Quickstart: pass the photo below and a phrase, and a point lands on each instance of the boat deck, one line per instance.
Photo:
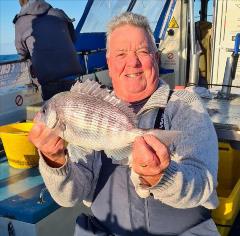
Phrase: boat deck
(225, 115)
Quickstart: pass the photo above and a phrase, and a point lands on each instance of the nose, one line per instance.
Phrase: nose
(133, 60)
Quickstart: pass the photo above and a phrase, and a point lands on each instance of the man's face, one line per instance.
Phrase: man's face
(132, 63)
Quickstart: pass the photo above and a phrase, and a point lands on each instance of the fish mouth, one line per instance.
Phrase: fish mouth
(37, 117)
(134, 75)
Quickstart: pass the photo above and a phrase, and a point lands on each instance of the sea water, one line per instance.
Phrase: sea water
(10, 57)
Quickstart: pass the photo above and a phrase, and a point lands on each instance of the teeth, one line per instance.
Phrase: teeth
(133, 75)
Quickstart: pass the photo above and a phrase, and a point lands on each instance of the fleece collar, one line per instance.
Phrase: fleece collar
(158, 99)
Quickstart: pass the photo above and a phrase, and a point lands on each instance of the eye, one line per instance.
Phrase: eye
(143, 53)
(44, 110)
(120, 55)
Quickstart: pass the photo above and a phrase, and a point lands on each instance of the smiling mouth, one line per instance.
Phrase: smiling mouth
(134, 75)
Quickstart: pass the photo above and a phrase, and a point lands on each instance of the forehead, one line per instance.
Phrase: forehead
(128, 36)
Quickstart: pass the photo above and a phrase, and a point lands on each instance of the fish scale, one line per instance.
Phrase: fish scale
(104, 117)
(90, 118)
(97, 120)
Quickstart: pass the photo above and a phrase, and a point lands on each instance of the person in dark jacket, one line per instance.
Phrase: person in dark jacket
(45, 35)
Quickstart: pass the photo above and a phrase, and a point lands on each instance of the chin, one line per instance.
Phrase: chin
(135, 97)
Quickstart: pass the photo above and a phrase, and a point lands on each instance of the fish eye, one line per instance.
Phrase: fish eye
(44, 110)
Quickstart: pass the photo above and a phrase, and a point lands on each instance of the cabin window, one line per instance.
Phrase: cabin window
(149, 10)
(100, 14)
(200, 13)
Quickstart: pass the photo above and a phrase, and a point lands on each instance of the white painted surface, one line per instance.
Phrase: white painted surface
(226, 26)
(10, 111)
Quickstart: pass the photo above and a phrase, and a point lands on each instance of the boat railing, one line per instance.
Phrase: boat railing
(14, 73)
(12, 61)
(86, 53)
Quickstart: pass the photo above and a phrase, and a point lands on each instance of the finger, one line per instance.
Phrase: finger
(51, 143)
(156, 157)
(156, 145)
(55, 152)
(35, 133)
(142, 152)
(144, 182)
(160, 149)
(44, 138)
(59, 146)
(148, 170)
(150, 180)
(145, 160)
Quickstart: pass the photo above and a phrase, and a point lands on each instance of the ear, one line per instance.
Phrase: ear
(158, 57)
(23, 2)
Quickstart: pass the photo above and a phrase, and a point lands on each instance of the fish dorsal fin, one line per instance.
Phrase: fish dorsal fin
(93, 88)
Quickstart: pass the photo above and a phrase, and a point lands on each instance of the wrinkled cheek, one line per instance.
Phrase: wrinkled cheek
(150, 66)
(147, 63)
(119, 68)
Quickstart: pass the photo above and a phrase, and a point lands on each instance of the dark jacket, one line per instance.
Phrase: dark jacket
(45, 35)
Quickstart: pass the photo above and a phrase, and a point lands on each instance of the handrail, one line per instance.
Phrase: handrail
(87, 52)
(237, 44)
(13, 61)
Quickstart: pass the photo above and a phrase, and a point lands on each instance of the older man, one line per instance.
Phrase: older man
(166, 191)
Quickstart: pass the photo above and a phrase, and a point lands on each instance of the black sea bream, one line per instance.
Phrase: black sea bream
(91, 118)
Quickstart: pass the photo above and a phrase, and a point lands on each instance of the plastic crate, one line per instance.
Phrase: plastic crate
(228, 188)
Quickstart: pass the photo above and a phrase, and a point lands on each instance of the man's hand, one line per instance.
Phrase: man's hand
(150, 158)
(50, 145)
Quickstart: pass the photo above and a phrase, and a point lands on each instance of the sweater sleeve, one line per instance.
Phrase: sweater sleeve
(191, 178)
(73, 182)
(19, 43)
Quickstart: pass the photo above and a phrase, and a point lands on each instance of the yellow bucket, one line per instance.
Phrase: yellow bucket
(19, 151)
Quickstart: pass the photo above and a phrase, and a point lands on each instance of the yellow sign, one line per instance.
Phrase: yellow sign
(173, 23)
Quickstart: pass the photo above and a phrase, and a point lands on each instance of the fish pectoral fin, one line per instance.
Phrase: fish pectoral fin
(59, 128)
(120, 156)
(62, 126)
(77, 153)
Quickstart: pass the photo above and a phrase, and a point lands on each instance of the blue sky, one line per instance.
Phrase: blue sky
(9, 8)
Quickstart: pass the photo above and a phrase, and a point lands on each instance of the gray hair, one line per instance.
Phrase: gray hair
(129, 18)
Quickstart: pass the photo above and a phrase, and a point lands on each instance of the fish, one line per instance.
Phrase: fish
(89, 117)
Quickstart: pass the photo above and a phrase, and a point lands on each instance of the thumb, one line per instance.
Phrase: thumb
(35, 131)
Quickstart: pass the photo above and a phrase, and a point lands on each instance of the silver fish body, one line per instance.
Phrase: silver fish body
(93, 119)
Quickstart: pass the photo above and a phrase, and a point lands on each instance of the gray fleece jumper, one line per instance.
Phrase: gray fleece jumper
(189, 181)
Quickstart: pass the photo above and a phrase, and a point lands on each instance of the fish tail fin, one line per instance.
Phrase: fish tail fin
(167, 137)
(120, 156)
